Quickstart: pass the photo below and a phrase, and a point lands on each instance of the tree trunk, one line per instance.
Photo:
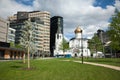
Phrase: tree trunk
(28, 58)
(23, 57)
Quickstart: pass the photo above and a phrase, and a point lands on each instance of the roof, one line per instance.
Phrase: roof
(12, 49)
(78, 30)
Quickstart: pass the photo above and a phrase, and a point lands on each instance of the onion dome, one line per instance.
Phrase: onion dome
(78, 30)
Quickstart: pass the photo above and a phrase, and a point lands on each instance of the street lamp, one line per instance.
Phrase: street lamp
(82, 45)
(100, 34)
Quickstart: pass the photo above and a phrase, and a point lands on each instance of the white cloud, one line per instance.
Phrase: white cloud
(74, 13)
(10, 7)
(117, 4)
(78, 12)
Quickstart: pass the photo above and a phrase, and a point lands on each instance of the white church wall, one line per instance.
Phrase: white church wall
(78, 43)
(78, 35)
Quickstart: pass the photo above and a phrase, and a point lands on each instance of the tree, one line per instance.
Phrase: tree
(114, 32)
(33, 49)
(64, 45)
(12, 44)
(95, 44)
(26, 39)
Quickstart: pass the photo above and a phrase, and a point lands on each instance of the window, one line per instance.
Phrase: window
(12, 32)
(57, 36)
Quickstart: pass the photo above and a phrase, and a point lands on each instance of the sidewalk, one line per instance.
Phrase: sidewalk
(103, 65)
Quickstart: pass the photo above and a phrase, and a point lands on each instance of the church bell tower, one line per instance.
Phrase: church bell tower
(58, 42)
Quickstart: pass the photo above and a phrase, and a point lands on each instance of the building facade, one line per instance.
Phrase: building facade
(7, 35)
(79, 45)
(56, 23)
(40, 22)
(3, 30)
(11, 35)
(11, 53)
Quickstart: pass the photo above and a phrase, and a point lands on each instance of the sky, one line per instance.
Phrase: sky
(90, 15)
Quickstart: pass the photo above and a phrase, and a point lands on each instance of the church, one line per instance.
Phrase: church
(79, 45)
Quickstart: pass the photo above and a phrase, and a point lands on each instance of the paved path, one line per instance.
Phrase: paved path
(103, 65)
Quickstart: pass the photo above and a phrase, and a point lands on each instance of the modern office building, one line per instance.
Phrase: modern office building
(3, 30)
(56, 23)
(11, 35)
(40, 22)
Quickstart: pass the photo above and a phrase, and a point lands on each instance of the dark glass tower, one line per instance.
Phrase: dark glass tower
(56, 23)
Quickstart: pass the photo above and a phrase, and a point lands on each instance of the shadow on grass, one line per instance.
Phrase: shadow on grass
(28, 69)
(15, 66)
(20, 62)
(23, 68)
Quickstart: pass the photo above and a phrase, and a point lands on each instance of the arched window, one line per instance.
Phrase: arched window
(57, 36)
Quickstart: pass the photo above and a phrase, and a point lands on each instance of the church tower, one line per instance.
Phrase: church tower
(58, 42)
(58, 39)
(55, 23)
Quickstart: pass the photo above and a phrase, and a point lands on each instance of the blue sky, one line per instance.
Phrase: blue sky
(25, 2)
(104, 3)
(101, 3)
(90, 15)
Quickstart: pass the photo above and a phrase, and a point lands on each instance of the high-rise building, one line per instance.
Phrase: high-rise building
(40, 21)
(56, 23)
(3, 30)
(11, 35)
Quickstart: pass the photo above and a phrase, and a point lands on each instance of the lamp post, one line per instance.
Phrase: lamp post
(100, 34)
(82, 45)
(78, 31)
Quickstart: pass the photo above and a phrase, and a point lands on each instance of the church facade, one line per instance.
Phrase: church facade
(79, 45)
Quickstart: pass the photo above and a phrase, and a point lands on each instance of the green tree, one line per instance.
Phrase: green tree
(19, 46)
(64, 45)
(26, 39)
(12, 44)
(114, 32)
(95, 44)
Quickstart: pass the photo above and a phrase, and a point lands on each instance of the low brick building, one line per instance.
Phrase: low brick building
(6, 52)
(11, 53)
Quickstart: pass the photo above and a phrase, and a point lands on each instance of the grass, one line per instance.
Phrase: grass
(109, 61)
(55, 69)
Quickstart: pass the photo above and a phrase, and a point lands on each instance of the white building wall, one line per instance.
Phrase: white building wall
(58, 42)
(78, 35)
(79, 45)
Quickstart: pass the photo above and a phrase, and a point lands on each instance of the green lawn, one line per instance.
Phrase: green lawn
(55, 69)
(109, 61)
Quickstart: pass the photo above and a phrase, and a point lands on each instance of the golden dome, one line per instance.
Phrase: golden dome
(78, 30)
